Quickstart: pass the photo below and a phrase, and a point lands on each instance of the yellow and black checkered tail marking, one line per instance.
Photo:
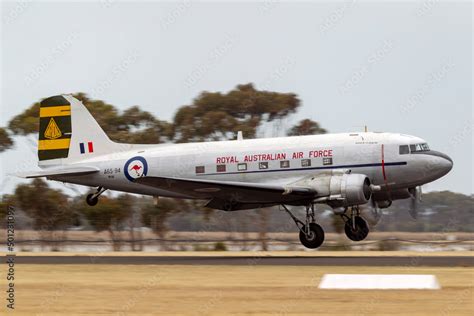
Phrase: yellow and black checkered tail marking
(55, 128)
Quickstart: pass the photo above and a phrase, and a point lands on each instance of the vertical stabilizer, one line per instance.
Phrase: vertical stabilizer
(69, 133)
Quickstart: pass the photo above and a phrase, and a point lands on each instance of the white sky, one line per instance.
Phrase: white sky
(398, 67)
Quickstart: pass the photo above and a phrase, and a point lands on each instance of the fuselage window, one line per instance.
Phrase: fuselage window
(263, 165)
(327, 161)
(285, 164)
(305, 162)
(200, 169)
(404, 150)
(242, 167)
(220, 168)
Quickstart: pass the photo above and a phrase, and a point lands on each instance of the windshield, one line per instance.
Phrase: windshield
(419, 147)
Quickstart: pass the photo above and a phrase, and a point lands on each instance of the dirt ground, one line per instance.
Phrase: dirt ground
(227, 290)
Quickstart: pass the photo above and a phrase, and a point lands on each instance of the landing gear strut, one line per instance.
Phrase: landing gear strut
(93, 198)
(311, 234)
(356, 228)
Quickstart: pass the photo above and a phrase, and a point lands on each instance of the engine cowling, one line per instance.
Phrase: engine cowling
(344, 189)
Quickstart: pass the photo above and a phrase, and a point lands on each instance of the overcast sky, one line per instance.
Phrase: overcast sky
(398, 67)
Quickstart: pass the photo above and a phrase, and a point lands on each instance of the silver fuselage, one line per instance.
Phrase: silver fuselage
(376, 155)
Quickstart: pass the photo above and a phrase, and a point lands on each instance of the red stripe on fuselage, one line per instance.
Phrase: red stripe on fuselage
(90, 146)
(383, 165)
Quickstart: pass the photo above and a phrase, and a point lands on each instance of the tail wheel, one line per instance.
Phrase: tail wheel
(314, 238)
(359, 232)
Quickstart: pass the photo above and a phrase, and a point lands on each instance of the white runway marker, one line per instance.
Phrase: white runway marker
(379, 281)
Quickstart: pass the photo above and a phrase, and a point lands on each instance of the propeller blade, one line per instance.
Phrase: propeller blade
(413, 210)
(376, 213)
(415, 199)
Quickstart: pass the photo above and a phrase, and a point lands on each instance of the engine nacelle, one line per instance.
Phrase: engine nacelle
(344, 189)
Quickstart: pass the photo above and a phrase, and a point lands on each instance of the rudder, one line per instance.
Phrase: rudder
(69, 133)
(55, 128)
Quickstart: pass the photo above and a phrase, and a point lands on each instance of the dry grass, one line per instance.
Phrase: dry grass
(224, 290)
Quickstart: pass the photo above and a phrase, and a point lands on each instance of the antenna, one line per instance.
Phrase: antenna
(366, 129)
(239, 135)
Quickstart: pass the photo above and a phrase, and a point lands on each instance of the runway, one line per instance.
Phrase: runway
(412, 261)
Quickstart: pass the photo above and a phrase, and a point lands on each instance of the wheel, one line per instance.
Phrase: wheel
(91, 200)
(361, 229)
(315, 237)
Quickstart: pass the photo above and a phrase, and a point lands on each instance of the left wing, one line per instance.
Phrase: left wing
(231, 195)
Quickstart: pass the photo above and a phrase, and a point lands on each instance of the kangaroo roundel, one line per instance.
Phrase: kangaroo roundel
(135, 168)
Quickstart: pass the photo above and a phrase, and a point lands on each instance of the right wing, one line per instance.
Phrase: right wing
(231, 195)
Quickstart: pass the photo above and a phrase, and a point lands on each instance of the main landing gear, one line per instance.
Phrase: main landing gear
(93, 198)
(311, 234)
(356, 227)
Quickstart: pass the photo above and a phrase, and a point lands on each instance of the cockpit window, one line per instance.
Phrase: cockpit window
(419, 147)
(404, 150)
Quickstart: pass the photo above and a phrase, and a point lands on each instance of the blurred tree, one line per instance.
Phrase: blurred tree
(306, 127)
(133, 125)
(5, 140)
(26, 122)
(217, 116)
(337, 223)
(3, 208)
(155, 216)
(263, 218)
(108, 215)
(48, 208)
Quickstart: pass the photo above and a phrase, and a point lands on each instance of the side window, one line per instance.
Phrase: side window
(220, 168)
(285, 164)
(305, 162)
(200, 169)
(263, 165)
(242, 167)
(327, 161)
(412, 148)
(404, 150)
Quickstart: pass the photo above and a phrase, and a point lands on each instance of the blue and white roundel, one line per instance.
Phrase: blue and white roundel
(135, 168)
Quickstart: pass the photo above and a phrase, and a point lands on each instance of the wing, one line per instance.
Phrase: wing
(230, 195)
(64, 171)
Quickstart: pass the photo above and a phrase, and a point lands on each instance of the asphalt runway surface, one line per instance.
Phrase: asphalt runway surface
(412, 261)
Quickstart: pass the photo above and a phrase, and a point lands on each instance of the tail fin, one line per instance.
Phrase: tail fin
(69, 133)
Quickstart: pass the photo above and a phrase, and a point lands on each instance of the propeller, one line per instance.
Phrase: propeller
(376, 212)
(372, 212)
(415, 199)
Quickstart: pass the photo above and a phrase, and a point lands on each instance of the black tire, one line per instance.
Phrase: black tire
(361, 230)
(316, 237)
(91, 201)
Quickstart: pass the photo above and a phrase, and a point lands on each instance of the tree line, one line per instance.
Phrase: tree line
(53, 213)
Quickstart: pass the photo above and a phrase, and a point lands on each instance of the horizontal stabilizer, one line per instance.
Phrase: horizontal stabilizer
(71, 171)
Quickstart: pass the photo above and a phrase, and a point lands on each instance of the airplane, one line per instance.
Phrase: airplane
(344, 171)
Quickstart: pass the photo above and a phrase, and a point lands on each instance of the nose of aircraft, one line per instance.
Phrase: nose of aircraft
(444, 163)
